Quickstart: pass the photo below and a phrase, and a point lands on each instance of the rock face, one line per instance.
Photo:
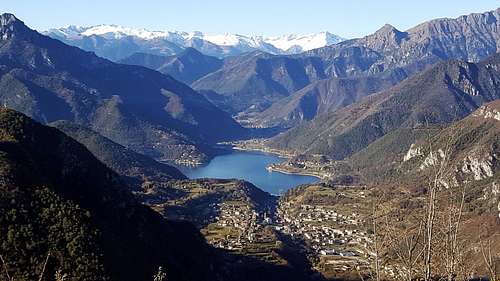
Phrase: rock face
(136, 107)
(478, 168)
(436, 96)
(488, 113)
(467, 151)
(472, 150)
(470, 38)
(477, 160)
(7, 26)
(413, 152)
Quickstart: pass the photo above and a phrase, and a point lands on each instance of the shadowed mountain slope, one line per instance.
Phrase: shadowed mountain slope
(188, 66)
(136, 107)
(51, 185)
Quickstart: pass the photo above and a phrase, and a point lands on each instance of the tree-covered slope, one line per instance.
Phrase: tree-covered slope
(58, 201)
(138, 170)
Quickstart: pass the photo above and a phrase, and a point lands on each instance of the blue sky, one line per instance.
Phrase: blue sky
(348, 18)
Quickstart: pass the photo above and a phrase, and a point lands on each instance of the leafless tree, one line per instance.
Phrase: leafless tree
(407, 247)
(435, 184)
(11, 278)
(5, 269)
(453, 249)
(378, 220)
(488, 258)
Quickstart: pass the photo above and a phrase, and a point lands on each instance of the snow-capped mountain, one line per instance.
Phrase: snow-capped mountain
(304, 42)
(102, 39)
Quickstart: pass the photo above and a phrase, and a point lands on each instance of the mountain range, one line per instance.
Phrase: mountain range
(265, 90)
(85, 137)
(139, 108)
(117, 42)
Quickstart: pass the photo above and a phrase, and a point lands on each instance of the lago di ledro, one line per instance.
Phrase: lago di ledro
(250, 140)
(249, 166)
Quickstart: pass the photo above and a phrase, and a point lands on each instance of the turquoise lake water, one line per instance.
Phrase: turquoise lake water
(249, 166)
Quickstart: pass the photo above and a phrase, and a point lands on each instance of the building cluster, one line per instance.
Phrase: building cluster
(328, 232)
(322, 169)
(244, 226)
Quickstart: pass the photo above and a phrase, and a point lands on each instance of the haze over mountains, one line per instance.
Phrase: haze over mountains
(117, 42)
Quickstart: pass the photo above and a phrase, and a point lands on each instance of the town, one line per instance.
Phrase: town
(336, 238)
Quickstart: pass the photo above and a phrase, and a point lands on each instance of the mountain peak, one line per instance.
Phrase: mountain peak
(386, 37)
(235, 43)
(387, 29)
(10, 25)
(6, 19)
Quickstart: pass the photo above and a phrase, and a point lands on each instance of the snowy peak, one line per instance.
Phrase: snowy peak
(285, 44)
(107, 31)
(225, 39)
(304, 42)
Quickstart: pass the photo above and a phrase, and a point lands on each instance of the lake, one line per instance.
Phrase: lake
(249, 166)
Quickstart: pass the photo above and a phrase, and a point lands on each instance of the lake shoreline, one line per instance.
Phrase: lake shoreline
(277, 169)
(254, 166)
(279, 166)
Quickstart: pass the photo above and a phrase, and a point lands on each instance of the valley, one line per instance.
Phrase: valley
(128, 154)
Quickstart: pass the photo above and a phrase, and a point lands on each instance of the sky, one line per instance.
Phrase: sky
(347, 18)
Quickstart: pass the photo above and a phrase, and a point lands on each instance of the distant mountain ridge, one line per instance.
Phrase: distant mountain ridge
(187, 66)
(101, 38)
(470, 37)
(265, 90)
(136, 107)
